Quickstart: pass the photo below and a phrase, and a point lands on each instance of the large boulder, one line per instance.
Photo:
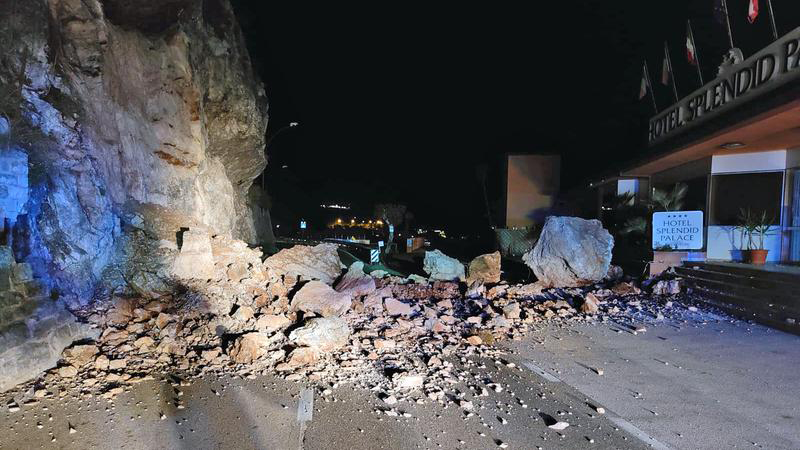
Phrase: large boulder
(322, 334)
(355, 282)
(319, 298)
(441, 267)
(571, 252)
(320, 262)
(195, 260)
(485, 268)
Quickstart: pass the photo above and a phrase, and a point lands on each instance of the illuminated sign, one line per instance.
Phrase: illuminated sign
(766, 70)
(678, 230)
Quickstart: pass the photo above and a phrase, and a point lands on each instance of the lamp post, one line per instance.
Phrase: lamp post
(285, 127)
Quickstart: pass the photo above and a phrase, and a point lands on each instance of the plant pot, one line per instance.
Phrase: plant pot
(758, 257)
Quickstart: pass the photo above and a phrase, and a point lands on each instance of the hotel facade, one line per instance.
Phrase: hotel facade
(735, 143)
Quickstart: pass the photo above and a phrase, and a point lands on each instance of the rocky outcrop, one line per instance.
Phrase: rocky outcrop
(485, 269)
(441, 267)
(571, 252)
(120, 107)
(128, 123)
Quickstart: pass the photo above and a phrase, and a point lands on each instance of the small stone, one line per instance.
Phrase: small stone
(558, 426)
(511, 311)
(408, 381)
(67, 371)
(143, 342)
(397, 308)
(474, 340)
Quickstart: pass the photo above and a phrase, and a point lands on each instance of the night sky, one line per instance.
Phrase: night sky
(402, 104)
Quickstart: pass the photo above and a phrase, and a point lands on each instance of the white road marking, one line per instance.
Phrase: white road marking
(616, 419)
(305, 407)
(639, 434)
(305, 412)
(541, 372)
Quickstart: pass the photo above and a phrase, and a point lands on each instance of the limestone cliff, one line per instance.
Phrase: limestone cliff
(122, 123)
(124, 104)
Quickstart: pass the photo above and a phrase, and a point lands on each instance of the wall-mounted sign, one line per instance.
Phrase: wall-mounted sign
(678, 230)
(302, 224)
(766, 70)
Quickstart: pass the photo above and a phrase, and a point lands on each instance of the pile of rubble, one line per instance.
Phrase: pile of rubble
(296, 314)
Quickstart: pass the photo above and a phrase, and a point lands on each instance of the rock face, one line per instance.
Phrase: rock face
(571, 252)
(155, 104)
(320, 262)
(124, 124)
(485, 268)
(441, 267)
(322, 334)
(318, 298)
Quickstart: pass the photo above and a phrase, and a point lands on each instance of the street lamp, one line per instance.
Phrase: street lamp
(266, 146)
(281, 129)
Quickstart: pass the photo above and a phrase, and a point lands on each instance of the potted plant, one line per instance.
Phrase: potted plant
(754, 228)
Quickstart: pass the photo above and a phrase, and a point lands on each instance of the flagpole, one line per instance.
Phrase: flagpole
(728, 21)
(671, 72)
(650, 86)
(696, 52)
(772, 19)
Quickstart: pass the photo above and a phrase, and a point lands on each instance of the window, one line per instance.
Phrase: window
(756, 191)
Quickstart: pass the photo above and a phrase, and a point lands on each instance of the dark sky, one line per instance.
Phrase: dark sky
(402, 102)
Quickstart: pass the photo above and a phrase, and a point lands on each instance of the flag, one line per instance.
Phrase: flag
(752, 11)
(691, 52)
(665, 69)
(645, 84)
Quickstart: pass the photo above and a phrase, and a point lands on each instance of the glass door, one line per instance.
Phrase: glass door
(793, 222)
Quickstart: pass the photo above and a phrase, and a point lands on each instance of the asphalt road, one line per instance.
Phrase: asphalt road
(711, 383)
(262, 413)
(695, 385)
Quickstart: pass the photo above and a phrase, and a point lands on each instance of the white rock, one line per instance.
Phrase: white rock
(322, 334)
(441, 267)
(195, 260)
(558, 425)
